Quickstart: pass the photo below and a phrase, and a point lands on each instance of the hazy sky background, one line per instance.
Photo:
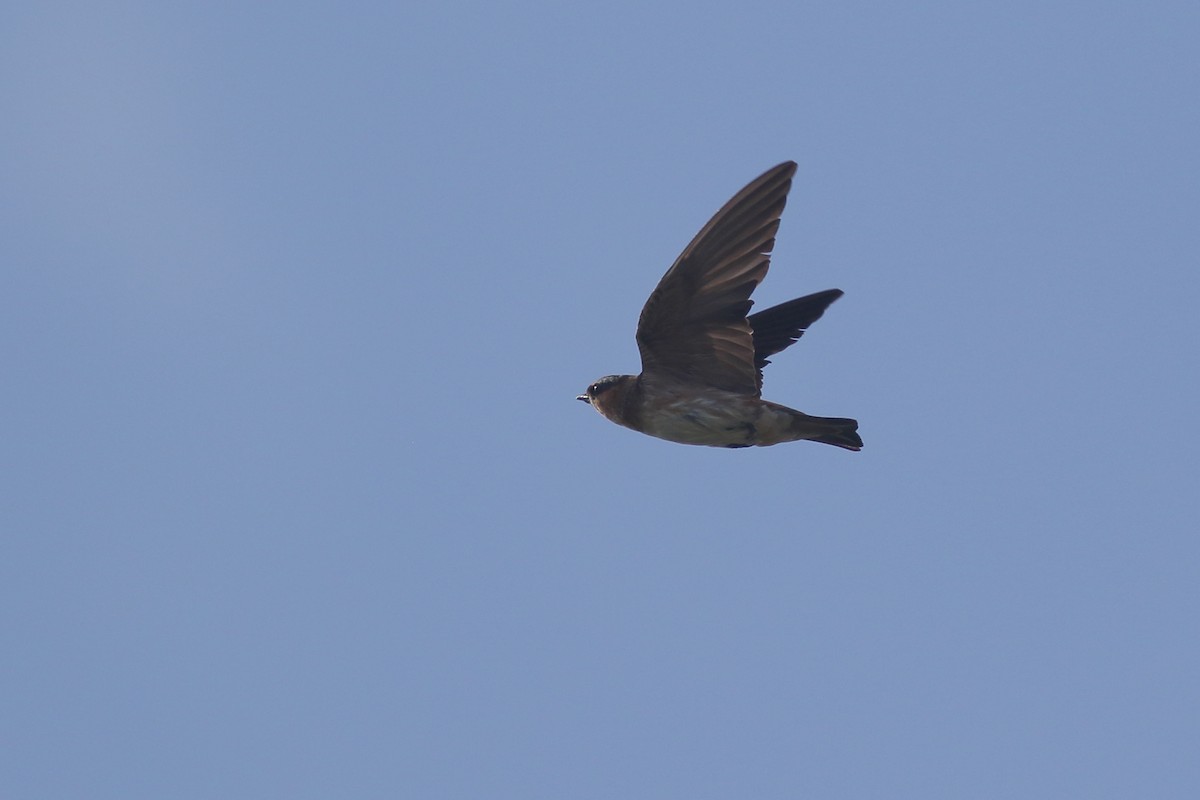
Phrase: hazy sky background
(298, 502)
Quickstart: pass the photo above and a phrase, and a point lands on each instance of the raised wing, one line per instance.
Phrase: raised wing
(694, 328)
(778, 327)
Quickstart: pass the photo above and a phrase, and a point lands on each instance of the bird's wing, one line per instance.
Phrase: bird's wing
(778, 327)
(693, 328)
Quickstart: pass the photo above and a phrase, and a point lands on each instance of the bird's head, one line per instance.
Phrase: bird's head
(607, 394)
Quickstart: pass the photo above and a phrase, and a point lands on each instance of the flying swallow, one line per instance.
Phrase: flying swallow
(702, 356)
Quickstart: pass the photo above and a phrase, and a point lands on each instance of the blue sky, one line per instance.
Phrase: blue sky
(297, 500)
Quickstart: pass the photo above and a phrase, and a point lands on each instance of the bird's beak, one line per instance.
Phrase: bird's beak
(585, 399)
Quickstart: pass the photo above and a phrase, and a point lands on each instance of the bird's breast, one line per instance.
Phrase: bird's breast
(715, 419)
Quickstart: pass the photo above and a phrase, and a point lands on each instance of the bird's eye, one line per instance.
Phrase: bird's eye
(603, 385)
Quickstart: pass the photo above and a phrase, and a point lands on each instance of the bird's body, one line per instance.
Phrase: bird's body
(702, 356)
(683, 413)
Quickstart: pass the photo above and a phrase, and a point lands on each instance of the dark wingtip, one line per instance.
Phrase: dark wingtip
(779, 327)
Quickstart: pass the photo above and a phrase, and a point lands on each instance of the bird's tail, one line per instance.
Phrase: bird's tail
(837, 431)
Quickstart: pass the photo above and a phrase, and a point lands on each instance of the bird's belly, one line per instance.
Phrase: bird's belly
(716, 423)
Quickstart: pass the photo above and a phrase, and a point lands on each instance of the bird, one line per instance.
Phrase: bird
(703, 353)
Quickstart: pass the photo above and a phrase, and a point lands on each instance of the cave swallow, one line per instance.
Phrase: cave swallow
(702, 356)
